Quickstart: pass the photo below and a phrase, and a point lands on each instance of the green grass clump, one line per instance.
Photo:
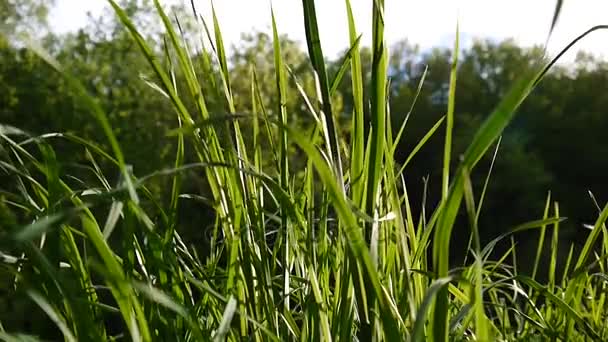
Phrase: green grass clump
(328, 252)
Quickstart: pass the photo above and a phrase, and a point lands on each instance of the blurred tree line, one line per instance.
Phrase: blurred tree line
(556, 144)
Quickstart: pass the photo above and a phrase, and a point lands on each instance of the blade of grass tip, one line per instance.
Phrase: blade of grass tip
(556, 13)
(591, 239)
(357, 157)
(315, 52)
(541, 74)
(409, 112)
(447, 154)
(281, 84)
(182, 55)
(53, 315)
(565, 277)
(378, 106)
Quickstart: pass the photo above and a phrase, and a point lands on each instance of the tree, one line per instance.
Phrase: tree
(23, 17)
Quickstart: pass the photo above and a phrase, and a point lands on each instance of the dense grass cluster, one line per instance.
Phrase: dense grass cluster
(330, 251)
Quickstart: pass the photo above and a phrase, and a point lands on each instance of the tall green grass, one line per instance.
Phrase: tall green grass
(349, 261)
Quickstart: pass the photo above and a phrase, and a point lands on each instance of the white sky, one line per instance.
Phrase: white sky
(428, 23)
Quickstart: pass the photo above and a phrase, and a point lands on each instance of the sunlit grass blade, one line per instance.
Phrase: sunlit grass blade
(281, 84)
(449, 128)
(357, 154)
(587, 250)
(224, 327)
(346, 60)
(378, 106)
(315, 52)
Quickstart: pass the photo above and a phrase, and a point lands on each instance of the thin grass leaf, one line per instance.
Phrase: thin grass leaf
(315, 52)
(420, 144)
(346, 60)
(418, 334)
(409, 113)
(357, 161)
(53, 314)
(18, 338)
(39, 227)
(164, 300)
(556, 13)
(378, 106)
(447, 152)
(591, 239)
(224, 327)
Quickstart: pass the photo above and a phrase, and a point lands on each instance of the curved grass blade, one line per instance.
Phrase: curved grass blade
(420, 144)
(421, 315)
(53, 315)
(346, 60)
(556, 13)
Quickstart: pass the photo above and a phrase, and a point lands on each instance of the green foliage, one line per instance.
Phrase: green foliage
(157, 186)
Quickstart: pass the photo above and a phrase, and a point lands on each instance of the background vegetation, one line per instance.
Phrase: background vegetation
(217, 226)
